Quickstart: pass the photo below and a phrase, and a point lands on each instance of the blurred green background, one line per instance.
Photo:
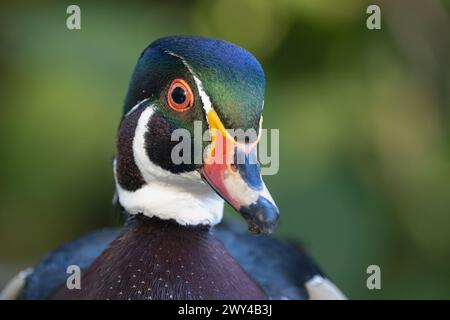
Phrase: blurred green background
(363, 116)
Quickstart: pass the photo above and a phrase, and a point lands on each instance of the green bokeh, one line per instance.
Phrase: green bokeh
(363, 116)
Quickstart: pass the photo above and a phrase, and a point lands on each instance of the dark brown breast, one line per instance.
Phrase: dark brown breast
(155, 259)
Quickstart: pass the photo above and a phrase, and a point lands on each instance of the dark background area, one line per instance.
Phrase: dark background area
(363, 116)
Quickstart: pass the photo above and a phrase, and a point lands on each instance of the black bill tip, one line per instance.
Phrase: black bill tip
(261, 216)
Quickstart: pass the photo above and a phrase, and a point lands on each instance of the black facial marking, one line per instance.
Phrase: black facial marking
(159, 146)
(128, 173)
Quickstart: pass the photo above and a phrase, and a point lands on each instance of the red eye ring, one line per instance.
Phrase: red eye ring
(180, 96)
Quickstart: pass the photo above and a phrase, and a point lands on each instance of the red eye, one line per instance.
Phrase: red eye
(180, 96)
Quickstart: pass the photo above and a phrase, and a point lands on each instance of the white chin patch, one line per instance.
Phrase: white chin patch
(183, 197)
(168, 202)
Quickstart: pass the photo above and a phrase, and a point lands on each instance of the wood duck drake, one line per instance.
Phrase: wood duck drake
(173, 244)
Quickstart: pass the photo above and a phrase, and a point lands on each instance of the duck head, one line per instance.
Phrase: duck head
(194, 84)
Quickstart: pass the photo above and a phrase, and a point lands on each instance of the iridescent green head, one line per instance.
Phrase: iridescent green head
(177, 82)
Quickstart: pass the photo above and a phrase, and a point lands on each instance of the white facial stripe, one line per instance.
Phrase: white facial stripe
(148, 169)
(207, 105)
(183, 197)
(206, 101)
(136, 106)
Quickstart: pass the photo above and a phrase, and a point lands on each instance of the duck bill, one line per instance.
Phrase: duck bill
(233, 171)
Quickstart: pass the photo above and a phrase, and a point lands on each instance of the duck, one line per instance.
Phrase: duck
(174, 243)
